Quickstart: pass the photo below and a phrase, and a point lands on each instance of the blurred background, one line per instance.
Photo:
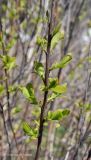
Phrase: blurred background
(21, 22)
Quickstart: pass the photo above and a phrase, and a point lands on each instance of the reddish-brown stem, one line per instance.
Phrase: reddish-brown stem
(44, 105)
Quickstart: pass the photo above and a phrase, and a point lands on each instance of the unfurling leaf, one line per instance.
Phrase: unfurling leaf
(56, 29)
(32, 132)
(42, 42)
(62, 63)
(58, 114)
(52, 82)
(60, 88)
(28, 92)
(8, 62)
(53, 96)
(39, 69)
(56, 38)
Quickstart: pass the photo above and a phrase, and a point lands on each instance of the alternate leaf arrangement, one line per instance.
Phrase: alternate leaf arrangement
(51, 89)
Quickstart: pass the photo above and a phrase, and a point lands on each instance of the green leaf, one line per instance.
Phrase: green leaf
(58, 114)
(56, 29)
(29, 131)
(55, 87)
(1, 89)
(60, 88)
(52, 82)
(56, 38)
(28, 92)
(42, 42)
(53, 96)
(39, 69)
(8, 62)
(62, 63)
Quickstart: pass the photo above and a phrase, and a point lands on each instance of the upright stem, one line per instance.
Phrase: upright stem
(44, 105)
(8, 98)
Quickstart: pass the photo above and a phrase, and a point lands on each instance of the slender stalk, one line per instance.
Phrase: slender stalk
(44, 105)
(9, 109)
(8, 99)
(64, 52)
(5, 127)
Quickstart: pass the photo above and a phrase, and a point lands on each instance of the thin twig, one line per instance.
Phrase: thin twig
(8, 94)
(44, 105)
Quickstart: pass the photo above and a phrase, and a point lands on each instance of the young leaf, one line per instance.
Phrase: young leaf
(52, 82)
(62, 63)
(53, 96)
(39, 69)
(60, 88)
(56, 38)
(28, 92)
(8, 62)
(56, 29)
(42, 42)
(58, 114)
(29, 131)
